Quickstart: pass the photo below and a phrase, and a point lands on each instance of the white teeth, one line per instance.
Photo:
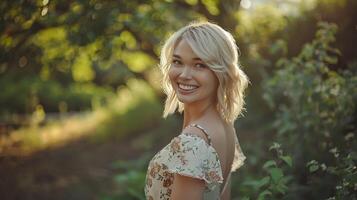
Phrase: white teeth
(187, 87)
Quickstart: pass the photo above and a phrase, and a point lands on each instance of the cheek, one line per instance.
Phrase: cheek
(212, 81)
(172, 73)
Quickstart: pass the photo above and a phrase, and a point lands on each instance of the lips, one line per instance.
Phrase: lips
(186, 87)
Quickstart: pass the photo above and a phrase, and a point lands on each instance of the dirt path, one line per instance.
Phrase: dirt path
(79, 170)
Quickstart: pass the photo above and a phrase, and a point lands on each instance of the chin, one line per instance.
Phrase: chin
(187, 99)
(184, 100)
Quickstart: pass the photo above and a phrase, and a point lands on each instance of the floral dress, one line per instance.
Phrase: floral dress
(188, 155)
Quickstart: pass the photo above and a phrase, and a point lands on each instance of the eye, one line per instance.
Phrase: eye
(176, 62)
(200, 65)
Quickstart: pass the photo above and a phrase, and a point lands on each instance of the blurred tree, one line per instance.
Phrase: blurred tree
(104, 43)
(95, 41)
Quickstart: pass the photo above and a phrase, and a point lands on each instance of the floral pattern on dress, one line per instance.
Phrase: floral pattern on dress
(187, 155)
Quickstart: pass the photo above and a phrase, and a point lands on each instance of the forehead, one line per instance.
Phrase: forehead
(184, 50)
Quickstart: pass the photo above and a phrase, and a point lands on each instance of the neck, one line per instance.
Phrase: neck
(193, 112)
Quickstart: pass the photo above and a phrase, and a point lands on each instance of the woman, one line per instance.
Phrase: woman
(202, 78)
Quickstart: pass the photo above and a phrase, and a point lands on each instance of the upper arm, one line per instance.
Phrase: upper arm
(194, 166)
(185, 187)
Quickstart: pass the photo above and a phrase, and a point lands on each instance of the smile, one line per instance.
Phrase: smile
(187, 87)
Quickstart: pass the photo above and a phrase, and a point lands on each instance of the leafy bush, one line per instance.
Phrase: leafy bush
(130, 182)
(314, 109)
(28, 92)
(275, 183)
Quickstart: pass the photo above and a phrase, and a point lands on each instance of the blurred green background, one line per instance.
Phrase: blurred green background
(81, 101)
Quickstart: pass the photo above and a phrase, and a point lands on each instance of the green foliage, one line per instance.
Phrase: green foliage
(131, 180)
(275, 182)
(343, 169)
(315, 109)
(30, 91)
(135, 105)
(265, 22)
(71, 55)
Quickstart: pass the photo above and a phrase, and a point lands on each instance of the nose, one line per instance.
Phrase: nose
(186, 72)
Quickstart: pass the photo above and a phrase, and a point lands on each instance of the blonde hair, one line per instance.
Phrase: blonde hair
(218, 50)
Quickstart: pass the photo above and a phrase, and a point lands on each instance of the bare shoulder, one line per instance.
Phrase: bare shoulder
(191, 130)
(215, 129)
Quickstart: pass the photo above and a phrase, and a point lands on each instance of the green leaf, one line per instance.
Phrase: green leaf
(311, 162)
(257, 184)
(274, 146)
(276, 174)
(313, 168)
(288, 160)
(269, 163)
(263, 194)
(263, 181)
(281, 188)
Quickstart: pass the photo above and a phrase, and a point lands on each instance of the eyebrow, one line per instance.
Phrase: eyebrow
(177, 56)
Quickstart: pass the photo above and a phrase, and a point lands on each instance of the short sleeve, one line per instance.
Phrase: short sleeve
(190, 155)
(239, 157)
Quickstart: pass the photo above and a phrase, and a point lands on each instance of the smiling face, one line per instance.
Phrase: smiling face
(192, 80)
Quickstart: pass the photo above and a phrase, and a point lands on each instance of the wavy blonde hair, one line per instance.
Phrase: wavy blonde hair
(218, 50)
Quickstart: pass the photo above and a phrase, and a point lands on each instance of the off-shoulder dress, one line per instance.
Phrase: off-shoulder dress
(189, 155)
